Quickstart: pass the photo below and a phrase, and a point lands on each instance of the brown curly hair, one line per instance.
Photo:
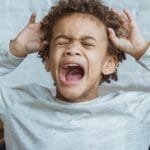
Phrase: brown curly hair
(92, 7)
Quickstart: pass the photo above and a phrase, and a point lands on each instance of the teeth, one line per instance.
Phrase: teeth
(70, 65)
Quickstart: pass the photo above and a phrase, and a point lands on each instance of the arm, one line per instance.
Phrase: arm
(145, 59)
(27, 41)
(8, 62)
(136, 46)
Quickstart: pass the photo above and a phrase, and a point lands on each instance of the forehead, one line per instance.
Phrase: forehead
(78, 24)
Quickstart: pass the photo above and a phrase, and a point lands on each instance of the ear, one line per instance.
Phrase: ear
(110, 65)
(47, 65)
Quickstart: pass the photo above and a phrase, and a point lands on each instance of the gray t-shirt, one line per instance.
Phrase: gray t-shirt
(35, 120)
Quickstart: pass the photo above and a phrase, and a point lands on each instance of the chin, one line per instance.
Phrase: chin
(75, 94)
(70, 95)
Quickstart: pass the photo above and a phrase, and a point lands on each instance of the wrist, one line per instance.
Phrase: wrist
(15, 49)
(142, 51)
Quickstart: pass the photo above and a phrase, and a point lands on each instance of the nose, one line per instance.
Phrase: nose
(73, 50)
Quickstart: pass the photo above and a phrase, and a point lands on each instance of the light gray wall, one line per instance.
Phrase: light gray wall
(14, 15)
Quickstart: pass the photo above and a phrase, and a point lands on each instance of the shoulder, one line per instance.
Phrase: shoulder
(26, 91)
(31, 88)
(130, 95)
(133, 100)
(135, 103)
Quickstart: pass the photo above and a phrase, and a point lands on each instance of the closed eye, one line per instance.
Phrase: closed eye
(62, 43)
(88, 44)
(62, 40)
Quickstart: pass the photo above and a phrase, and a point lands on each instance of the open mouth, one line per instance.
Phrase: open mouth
(71, 73)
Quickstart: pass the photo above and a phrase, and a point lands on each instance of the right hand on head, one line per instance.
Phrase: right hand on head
(134, 44)
(29, 40)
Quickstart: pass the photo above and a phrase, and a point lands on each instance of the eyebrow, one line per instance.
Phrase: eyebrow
(88, 38)
(61, 36)
(82, 38)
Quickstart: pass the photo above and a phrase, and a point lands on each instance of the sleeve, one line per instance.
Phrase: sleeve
(144, 103)
(8, 97)
(2, 103)
(145, 60)
(8, 62)
(142, 108)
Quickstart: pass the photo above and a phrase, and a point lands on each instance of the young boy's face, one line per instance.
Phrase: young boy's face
(78, 52)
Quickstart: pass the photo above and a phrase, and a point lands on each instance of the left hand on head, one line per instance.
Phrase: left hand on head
(134, 44)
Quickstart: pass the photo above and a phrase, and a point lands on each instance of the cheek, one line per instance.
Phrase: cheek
(95, 64)
(95, 68)
(54, 56)
(97, 59)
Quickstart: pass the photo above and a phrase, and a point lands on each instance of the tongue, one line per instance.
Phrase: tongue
(74, 75)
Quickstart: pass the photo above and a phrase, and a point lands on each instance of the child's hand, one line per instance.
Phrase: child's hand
(134, 44)
(29, 40)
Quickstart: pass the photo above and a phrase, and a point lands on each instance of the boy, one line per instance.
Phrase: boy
(81, 43)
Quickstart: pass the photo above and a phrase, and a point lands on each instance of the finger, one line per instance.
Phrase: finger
(42, 45)
(121, 43)
(135, 31)
(130, 17)
(32, 18)
(113, 37)
(121, 15)
(36, 27)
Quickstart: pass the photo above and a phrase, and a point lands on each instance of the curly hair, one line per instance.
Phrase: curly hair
(92, 7)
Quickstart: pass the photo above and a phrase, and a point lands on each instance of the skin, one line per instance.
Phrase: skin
(135, 45)
(94, 58)
(74, 41)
